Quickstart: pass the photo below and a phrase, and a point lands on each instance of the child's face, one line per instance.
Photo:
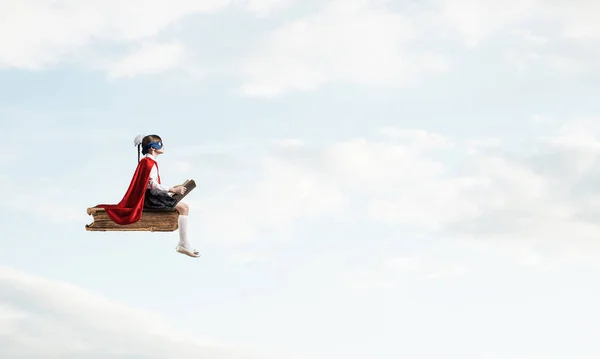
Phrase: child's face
(155, 152)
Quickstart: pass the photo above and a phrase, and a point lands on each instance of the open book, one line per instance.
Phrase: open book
(189, 186)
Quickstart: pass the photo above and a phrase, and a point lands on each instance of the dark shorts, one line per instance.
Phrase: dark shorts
(156, 199)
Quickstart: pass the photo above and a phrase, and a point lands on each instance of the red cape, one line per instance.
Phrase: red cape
(129, 210)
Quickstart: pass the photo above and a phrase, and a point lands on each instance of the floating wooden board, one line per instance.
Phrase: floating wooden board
(151, 221)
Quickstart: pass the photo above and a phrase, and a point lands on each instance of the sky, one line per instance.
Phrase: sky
(376, 179)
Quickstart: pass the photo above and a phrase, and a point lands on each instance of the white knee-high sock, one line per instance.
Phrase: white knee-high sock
(183, 231)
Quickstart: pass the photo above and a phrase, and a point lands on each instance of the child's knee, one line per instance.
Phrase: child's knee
(182, 207)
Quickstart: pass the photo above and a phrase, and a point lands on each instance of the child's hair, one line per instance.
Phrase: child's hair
(145, 141)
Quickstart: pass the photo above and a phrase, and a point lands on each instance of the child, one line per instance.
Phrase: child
(147, 192)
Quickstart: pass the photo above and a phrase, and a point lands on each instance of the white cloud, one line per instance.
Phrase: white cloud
(475, 20)
(366, 281)
(50, 203)
(394, 179)
(577, 18)
(365, 42)
(244, 258)
(538, 197)
(386, 271)
(451, 271)
(36, 35)
(405, 264)
(263, 7)
(428, 265)
(41, 318)
(533, 20)
(535, 35)
(347, 42)
(284, 192)
(289, 142)
(579, 135)
(148, 59)
(541, 204)
(562, 56)
(416, 137)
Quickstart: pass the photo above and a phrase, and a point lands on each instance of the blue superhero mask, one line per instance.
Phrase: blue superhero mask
(156, 145)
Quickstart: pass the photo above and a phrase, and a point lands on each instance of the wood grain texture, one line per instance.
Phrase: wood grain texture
(151, 221)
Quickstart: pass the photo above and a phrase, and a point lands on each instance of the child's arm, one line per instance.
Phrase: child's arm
(179, 189)
(155, 185)
(153, 181)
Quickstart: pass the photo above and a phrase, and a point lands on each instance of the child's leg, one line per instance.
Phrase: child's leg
(183, 210)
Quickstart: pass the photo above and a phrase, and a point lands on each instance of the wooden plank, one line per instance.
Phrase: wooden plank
(152, 221)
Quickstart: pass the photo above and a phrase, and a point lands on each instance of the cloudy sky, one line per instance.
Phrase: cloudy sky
(376, 179)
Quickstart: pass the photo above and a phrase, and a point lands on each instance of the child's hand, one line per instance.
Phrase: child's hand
(178, 189)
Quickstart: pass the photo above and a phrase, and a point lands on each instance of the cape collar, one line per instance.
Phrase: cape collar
(151, 157)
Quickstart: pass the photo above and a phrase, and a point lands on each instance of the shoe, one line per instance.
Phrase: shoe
(183, 250)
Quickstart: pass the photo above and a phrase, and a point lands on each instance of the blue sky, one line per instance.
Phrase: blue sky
(376, 179)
